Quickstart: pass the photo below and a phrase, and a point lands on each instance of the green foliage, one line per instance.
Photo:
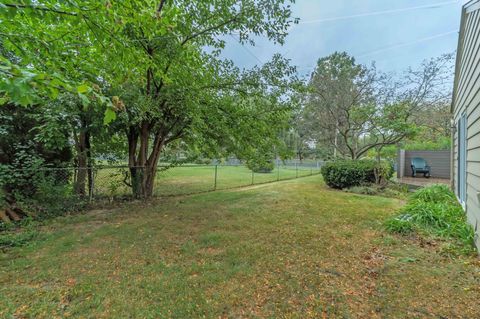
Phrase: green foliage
(440, 144)
(351, 107)
(18, 234)
(142, 68)
(261, 165)
(438, 193)
(434, 211)
(399, 225)
(347, 173)
(53, 196)
(16, 239)
(388, 190)
(203, 161)
(390, 152)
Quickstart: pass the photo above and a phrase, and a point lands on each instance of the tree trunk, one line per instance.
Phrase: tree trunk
(142, 165)
(379, 153)
(84, 170)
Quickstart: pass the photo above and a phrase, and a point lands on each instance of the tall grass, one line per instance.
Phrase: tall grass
(434, 211)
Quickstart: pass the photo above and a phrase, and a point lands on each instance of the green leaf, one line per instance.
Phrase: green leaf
(110, 116)
(3, 100)
(83, 88)
(85, 100)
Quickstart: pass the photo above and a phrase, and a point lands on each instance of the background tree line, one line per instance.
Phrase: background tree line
(353, 110)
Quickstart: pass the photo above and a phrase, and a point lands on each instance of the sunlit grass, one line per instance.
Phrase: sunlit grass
(191, 179)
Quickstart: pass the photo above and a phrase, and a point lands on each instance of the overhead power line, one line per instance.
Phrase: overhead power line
(376, 13)
(401, 45)
(248, 51)
(394, 46)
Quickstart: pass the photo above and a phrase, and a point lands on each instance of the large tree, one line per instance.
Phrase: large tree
(159, 63)
(355, 109)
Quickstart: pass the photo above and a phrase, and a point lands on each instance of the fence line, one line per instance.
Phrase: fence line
(114, 182)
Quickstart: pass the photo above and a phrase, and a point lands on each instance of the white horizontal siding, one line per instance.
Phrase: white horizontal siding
(474, 168)
(473, 155)
(467, 101)
(469, 68)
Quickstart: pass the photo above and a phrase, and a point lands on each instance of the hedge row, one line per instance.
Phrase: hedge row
(347, 173)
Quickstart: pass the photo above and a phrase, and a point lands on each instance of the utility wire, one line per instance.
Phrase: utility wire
(247, 50)
(375, 13)
(401, 45)
(395, 46)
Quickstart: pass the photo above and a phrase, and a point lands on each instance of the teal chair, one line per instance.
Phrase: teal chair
(419, 165)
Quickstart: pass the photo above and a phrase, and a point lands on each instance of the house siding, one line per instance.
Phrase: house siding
(466, 100)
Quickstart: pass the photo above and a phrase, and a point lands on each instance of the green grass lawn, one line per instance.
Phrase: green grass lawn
(191, 179)
(292, 249)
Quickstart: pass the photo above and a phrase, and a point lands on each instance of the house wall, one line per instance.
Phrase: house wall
(466, 100)
(439, 162)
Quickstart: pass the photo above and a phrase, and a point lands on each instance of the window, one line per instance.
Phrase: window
(462, 159)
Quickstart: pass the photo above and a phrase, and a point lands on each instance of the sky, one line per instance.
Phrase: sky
(395, 34)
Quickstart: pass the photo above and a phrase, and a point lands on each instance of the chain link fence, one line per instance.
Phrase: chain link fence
(65, 188)
(113, 181)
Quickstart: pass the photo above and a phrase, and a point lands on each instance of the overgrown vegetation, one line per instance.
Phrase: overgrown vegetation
(347, 173)
(391, 189)
(434, 211)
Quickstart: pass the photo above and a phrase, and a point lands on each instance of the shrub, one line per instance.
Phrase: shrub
(203, 161)
(348, 173)
(434, 211)
(51, 198)
(261, 165)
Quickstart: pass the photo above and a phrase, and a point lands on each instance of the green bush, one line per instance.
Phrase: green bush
(51, 198)
(349, 173)
(261, 165)
(40, 193)
(434, 211)
(203, 161)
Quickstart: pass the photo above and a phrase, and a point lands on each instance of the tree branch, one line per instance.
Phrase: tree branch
(35, 7)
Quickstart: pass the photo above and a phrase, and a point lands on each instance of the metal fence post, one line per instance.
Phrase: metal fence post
(252, 176)
(278, 172)
(92, 186)
(215, 183)
(296, 170)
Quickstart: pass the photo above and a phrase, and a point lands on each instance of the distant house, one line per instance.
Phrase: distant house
(466, 116)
